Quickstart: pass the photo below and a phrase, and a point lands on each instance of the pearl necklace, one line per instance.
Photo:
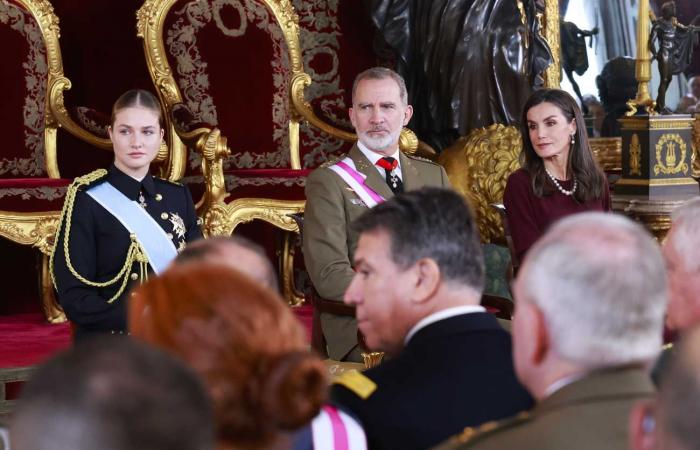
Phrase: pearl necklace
(561, 189)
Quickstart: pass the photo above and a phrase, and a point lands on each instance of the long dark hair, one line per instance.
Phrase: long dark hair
(580, 164)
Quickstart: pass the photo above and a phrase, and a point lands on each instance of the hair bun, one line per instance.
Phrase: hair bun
(294, 390)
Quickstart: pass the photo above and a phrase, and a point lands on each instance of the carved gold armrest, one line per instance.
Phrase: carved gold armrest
(222, 220)
(37, 229)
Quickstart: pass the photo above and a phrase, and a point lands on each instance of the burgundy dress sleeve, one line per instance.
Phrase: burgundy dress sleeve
(517, 199)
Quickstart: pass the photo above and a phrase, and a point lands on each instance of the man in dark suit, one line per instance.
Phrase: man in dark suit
(420, 274)
(590, 302)
(379, 112)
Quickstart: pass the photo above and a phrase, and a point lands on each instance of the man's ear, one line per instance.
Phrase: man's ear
(535, 332)
(351, 115)
(426, 281)
(542, 336)
(407, 115)
(642, 426)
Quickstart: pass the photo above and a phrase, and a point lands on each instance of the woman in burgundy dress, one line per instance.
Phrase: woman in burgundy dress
(558, 175)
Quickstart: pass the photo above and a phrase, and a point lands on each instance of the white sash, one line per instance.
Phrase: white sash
(159, 248)
(333, 429)
(355, 180)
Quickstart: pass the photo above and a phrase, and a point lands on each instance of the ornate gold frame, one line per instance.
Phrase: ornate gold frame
(222, 220)
(38, 229)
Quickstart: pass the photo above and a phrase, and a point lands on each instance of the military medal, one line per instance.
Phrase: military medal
(178, 225)
(142, 200)
(394, 179)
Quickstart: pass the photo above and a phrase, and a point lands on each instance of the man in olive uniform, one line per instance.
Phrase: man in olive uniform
(670, 421)
(373, 171)
(590, 302)
(99, 244)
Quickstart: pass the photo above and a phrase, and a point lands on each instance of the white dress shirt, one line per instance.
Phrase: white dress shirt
(374, 157)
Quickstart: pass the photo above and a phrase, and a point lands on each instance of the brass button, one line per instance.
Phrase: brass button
(164, 216)
(134, 276)
(170, 236)
(159, 197)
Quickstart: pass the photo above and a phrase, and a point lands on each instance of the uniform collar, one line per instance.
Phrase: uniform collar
(442, 315)
(129, 186)
(373, 157)
(615, 382)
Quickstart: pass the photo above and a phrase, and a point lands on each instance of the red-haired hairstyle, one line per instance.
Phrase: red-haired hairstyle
(243, 341)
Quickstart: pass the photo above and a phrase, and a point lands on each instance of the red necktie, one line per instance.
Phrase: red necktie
(392, 179)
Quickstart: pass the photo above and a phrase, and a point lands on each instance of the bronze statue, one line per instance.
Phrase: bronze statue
(574, 57)
(467, 63)
(675, 47)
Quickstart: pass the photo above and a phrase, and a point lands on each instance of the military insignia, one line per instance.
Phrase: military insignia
(358, 383)
(178, 225)
(181, 246)
(142, 200)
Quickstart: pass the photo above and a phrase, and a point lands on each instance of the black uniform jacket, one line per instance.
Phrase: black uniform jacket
(98, 245)
(453, 373)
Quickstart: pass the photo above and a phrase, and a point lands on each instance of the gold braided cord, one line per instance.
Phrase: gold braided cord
(134, 253)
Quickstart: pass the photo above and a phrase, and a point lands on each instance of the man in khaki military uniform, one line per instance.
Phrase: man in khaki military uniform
(373, 171)
(590, 302)
(681, 248)
(670, 421)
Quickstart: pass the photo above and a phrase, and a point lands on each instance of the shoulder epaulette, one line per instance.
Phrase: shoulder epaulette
(332, 160)
(89, 178)
(420, 158)
(471, 435)
(165, 180)
(360, 384)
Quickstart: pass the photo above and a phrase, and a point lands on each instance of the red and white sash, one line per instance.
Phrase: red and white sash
(332, 429)
(347, 171)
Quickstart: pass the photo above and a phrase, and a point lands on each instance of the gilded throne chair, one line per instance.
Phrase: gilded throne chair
(31, 187)
(38, 117)
(232, 77)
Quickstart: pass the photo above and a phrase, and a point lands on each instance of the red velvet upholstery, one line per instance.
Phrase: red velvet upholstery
(334, 64)
(220, 55)
(103, 58)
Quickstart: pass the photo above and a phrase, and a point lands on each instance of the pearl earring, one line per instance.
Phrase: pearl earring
(573, 141)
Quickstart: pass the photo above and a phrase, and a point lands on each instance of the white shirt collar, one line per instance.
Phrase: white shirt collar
(374, 157)
(561, 382)
(441, 315)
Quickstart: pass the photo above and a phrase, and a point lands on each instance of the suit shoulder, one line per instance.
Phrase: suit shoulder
(474, 437)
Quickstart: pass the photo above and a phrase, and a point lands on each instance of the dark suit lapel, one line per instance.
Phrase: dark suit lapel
(410, 176)
(373, 180)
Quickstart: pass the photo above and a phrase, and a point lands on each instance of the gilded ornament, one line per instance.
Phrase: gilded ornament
(635, 156)
(551, 35)
(669, 162)
(608, 153)
(478, 167)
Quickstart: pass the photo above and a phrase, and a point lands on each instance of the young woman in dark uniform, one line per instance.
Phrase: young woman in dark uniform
(118, 225)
